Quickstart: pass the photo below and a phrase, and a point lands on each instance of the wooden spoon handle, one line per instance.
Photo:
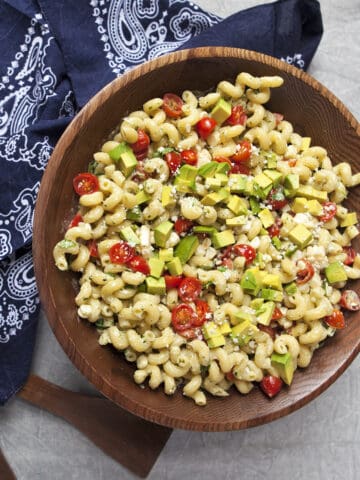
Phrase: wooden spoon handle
(132, 441)
(6, 472)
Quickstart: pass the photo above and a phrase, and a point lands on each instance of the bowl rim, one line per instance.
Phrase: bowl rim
(132, 405)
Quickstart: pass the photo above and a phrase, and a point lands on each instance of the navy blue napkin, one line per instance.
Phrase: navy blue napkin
(54, 57)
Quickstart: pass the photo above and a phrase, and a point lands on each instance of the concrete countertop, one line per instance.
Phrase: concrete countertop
(319, 441)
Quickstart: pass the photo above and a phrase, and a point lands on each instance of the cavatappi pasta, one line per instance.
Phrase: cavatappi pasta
(212, 242)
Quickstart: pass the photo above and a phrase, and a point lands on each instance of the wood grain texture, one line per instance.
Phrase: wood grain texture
(6, 472)
(131, 441)
(312, 109)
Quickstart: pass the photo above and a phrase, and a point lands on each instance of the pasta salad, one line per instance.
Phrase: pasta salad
(212, 243)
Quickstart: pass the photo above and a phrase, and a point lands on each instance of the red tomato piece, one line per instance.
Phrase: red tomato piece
(230, 377)
(189, 289)
(172, 281)
(277, 314)
(76, 220)
(277, 199)
(182, 225)
(142, 143)
(350, 300)
(243, 152)
(203, 312)
(205, 126)
(329, 211)
(237, 117)
(182, 317)
(271, 385)
(172, 105)
(240, 168)
(292, 162)
(121, 253)
(173, 160)
(305, 273)
(228, 263)
(336, 319)
(243, 250)
(223, 160)
(138, 264)
(92, 246)
(141, 155)
(274, 230)
(189, 156)
(350, 255)
(269, 330)
(85, 183)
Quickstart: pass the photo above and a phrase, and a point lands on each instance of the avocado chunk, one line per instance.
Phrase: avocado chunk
(162, 233)
(251, 281)
(265, 312)
(210, 330)
(263, 181)
(222, 167)
(166, 254)
(142, 197)
(215, 197)
(299, 205)
(274, 176)
(156, 267)
(335, 272)
(272, 280)
(224, 179)
(174, 266)
(241, 316)
(349, 219)
(223, 239)
(134, 214)
(237, 205)
(256, 303)
(167, 196)
(291, 288)
(156, 286)
(185, 180)
(314, 207)
(225, 328)
(185, 249)
(266, 218)
(270, 158)
(237, 182)
(221, 111)
(204, 229)
(129, 235)
(124, 156)
(254, 205)
(271, 294)
(301, 236)
(208, 169)
(213, 183)
(276, 242)
(291, 184)
(243, 332)
(311, 193)
(250, 189)
(284, 365)
(236, 221)
(216, 342)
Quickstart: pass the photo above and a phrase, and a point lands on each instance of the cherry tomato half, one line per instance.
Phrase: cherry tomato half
(182, 317)
(271, 385)
(277, 199)
(203, 312)
(277, 314)
(189, 156)
(182, 225)
(172, 281)
(237, 117)
(329, 211)
(240, 168)
(350, 300)
(189, 289)
(85, 183)
(243, 152)
(76, 220)
(336, 319)
(350, 255)
(173, 160)
(121, 253)
(205, 126)
(142, 143)
(243, 250)
(305, 273)
(172, 105)
(138, 264)
(93, 249)
(274, 230)
(269, 330)
(223, 160)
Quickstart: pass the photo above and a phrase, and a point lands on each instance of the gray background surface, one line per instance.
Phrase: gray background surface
(320, 441)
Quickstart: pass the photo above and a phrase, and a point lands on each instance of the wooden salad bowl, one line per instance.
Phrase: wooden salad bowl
(313, 111)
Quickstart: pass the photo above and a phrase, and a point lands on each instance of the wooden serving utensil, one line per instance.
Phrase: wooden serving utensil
(133, 442)
(6, 472)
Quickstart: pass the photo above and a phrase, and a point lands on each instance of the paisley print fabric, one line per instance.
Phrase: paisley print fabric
(50, 65)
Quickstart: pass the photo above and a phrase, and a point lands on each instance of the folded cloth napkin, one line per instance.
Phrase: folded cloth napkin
(54, 57)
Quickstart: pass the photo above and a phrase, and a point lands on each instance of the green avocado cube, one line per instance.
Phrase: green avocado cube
(291, 250)
(254, 205)
(185, 180)
(156, 267)
(216, 342)
(174, 266)
(185, 249)
(142, 197)
(204, 229)
(271, 294)
(335, 272)
(129, 235)
(237, 205)
(162, 233)
(251, 281)
(221, 111)
(250, 187)
(256, 303)
(156, 286)
(223, 239)
(166, 254)
(216, 197)
(243, 332)
(225, 328)
(224, 179)
(263, 181)
(272, 280)
(276, 242)
(208, 169)
(236, 221)
(241, 316)
(270, 158)
(274, 176)
(314, 207)
(291, 184)
(284, 365)
(266, 218)
(134, 214)
(291, 288)
(167, 196)
(349, 220)
(222, 167)
(265, 312)
(213, 183)
(210, 330)
(299, 205)
(301, 236)
(124, 156)
(237, 182)
(312, 193)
